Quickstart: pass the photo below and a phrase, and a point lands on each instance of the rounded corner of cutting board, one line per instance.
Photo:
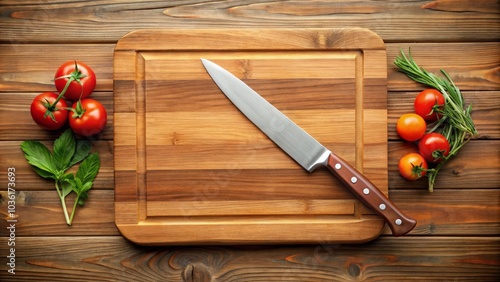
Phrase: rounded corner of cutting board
(372, 235)
(370, 35)
(125, 38)
(132, 37)
(129, 232)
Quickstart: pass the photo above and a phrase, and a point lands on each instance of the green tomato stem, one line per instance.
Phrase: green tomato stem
(78, 111)
(53, 106)
(76, 75)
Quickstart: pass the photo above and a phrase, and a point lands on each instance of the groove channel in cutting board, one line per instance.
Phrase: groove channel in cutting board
(191, 169)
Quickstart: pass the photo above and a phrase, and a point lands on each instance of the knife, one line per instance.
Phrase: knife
(303, 148)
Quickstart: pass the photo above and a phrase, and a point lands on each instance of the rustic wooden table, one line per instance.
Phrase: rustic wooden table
(458, 232)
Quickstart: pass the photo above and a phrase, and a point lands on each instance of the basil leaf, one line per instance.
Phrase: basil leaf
(89, 168)
(83, 195)
(67, 184)
(40, 157)
(86, 187)
(77, 186)
(82, 150)
(64, 149)
(85, 176)
(44, 174)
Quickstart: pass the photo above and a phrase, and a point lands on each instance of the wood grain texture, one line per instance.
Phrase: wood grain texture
(445, 212)
(39, 213)
(478, 166)
(457, 236)
(218, 155)
(477, 71)
(113, 258)
(485, 111)
(474, 73)
(21, 73)
(108, 21)
(18, 124)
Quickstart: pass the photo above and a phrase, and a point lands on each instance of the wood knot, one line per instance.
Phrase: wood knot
(196, 272)
(456, 172)
(354, 270)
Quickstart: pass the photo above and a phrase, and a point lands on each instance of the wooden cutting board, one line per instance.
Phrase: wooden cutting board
(191, 169)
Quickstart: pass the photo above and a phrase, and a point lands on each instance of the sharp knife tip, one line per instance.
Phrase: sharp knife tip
(208, 64)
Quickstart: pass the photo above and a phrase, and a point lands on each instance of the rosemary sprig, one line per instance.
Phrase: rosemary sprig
(456, 123)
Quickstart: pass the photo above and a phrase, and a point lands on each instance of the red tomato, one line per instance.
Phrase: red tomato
(412, 166)
(46, 115)
(89, 117)
(433, 147)
(425, 104)
(81, 79)
(411, 127)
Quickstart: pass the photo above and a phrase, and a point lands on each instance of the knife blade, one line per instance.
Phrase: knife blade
(303, 148)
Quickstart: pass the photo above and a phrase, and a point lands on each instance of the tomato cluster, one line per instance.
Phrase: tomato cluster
(432, 147)
(74, 81)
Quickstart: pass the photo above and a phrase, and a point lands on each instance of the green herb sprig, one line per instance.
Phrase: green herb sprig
(456, 123)
(67, 152)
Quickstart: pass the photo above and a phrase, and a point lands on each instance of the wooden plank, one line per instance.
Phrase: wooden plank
(449, 212)
(250, 207)
(110, 20)
(20, 73)
(468, 166)
(40, 214)
(191, 127)
(485, 105)
(18, 124)
(485, 111)
(476, 166)
(446, 212)
(113, 258)
(234, 183)
(478, 69)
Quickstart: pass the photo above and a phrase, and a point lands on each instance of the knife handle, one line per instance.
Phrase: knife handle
(399, 223)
